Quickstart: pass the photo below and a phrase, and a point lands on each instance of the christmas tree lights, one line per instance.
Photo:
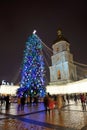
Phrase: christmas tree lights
(33, 68)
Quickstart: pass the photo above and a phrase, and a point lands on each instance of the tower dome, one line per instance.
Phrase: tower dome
(60, 36)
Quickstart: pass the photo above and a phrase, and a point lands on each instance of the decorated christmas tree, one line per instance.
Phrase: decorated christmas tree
(33, 68)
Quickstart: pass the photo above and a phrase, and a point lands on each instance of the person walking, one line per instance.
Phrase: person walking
(83, 101)
(51, 104)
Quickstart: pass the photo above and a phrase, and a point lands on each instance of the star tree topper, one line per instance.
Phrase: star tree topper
(34, 31)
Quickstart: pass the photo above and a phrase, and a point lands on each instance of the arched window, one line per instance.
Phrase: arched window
(59, 74)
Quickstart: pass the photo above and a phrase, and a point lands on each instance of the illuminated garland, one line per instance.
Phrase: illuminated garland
(33, 68)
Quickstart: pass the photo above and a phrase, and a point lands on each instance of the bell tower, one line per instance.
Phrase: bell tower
(62, 68)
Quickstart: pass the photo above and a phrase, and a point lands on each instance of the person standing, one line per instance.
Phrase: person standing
(30, 100)
(46, 101)
(22, 102)
(35, 100)
(59, 102)
(19, 102)
(51, 104)
(7, 102)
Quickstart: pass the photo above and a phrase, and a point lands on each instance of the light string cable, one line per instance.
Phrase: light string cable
(47, 52)
(46, 66)
(47, 55)
(50, 50)
(45, 58)
(16, 77)
(81, 69)
(77, 63)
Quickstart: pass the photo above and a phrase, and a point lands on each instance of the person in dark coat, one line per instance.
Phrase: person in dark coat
(7, 102)
(22, 102)
(46, 102)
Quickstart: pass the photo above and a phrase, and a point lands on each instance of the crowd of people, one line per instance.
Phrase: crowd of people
(22, 100)
(82, 97)
(50, 101)
(6, 100)
(59, 101)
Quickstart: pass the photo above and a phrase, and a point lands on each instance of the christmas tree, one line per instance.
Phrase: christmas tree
(33, 68)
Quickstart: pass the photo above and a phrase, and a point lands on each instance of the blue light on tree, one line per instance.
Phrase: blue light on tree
(33, 68)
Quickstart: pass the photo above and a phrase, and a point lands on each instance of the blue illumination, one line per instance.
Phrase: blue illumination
(33, 68)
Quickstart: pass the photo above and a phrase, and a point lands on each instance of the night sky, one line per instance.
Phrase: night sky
(18, 19)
